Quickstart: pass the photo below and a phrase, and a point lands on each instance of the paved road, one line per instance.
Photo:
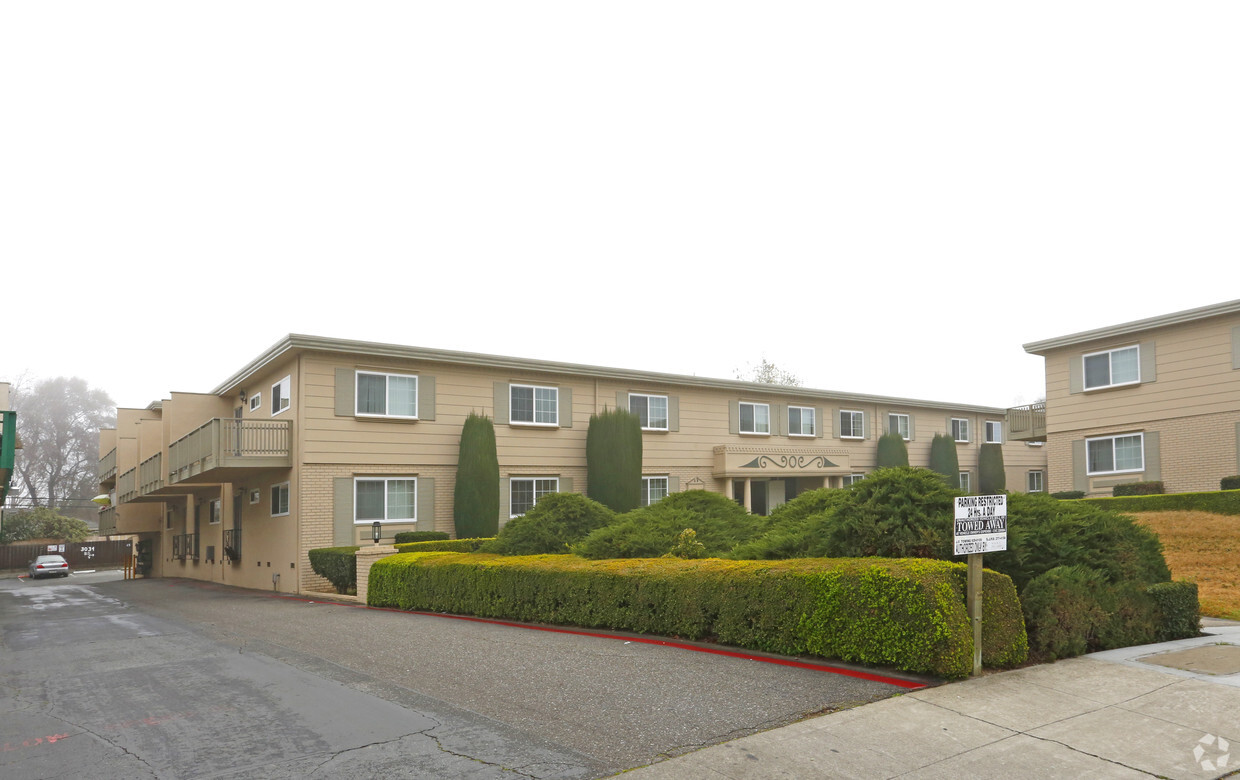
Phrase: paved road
(107, 678)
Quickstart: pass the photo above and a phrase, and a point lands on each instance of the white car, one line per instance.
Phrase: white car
(49, 566)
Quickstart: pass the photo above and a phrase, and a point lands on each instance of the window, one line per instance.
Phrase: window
(280, 395)
(964, 483)
(386, 499)
(168, 520)
(256, 402)
(994, 432)
(960, 429)
(898, 423)
(256, 496)
(1035, 482)
(1114, 454)
(216, 513)
(755, 418)
(651, 410)
(851, 425)
(1113, 367)
(387, 395)
(534, 405)
(801, 421)
(654, 490)
(279, 499)
(852, 479)
(524, 492)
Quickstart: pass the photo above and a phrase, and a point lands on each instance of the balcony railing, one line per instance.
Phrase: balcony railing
(185, 546)
(1027, 423)
(151, 474)
(127, 486)
(232, 544)
(226, 443)
(107, 467)
(107, 520)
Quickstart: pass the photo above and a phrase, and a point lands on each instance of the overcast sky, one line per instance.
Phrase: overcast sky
(885, 198)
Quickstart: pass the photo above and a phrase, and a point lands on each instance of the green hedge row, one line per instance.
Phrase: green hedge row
(1138, 489)
(408, 537)
(445, 545)
(904, 613)
(1219, 502)
(338, 565)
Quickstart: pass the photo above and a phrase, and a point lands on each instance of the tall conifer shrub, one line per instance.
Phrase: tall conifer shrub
(943, 458)
(892, 451)
(475, 506)
(991, 478)
(614, 459)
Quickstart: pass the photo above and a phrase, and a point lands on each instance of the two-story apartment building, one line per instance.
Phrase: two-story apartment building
(313, 441)
(1152, 400)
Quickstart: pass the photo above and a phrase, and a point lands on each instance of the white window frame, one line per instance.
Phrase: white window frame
(993, 425)
(647, 483)
(1110, 354)
(387, 394)
(1041, 480)
(256, 495)
(215, 512)
(283, 400)
(851, 479)
(964, 481)
(534, 409)
(1140, 437)
(813, 421)
(534, 490)
(960, 430)
(740, 418)
(386, 519)
(278, 490)
(856, 426)
(256, 402)
(900, 417)
(648, 397)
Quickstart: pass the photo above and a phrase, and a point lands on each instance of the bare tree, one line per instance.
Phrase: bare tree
(770, 374)
(58, 422)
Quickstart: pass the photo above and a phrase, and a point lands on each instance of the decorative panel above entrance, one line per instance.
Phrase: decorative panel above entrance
(755, 461)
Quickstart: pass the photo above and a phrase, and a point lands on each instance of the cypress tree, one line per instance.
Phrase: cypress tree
(475, 506)
(614, 459)
(943, 458)
(991, 478)
(892, 451)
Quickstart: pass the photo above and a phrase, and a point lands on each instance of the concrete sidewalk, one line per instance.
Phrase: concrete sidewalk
(1117, 714)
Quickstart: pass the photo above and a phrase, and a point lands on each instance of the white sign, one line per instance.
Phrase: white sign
(981, 524)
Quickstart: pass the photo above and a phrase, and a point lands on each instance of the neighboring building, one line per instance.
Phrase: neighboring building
(8, 442)
(315, 439)
(1152, 400)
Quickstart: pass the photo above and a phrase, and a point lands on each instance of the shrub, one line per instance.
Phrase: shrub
(894, 513)
(1063, 613)
(719, 524)
(444, 545)
(991, 476)
(793, 527)
(1219, 502)
(406, 537)
(557, 520)
(1179, 613)
(475, 497)
(1230, 483)
(338, 565)
(892, 451)
(687, 546)
(1137, 489)
(1068, 494)
(614, 459)
(943, 458)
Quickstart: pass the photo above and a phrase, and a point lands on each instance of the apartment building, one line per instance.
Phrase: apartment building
(1154, 399)
(314, 440)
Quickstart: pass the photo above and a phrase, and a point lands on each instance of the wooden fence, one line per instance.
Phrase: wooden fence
(80, 555)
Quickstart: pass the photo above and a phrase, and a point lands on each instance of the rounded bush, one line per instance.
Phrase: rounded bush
(557, 520)
(719, 524)
(1063, 611)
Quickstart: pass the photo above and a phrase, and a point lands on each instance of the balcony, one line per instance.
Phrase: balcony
(107, 469)
(225, 449)
(127, 486)
(107, 520)
(1027, 423)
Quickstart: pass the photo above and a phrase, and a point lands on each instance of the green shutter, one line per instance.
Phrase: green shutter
(566, 485)
(673, 485)
(342, 512)
(835, 422)
(673, 413)
(1235, 347)
(565, 414)
(779, 419)
(502, 416)
(1076, 375)
(505, 499)
(819, 422)
(346, 389)
(622, 400)
(426, 397)
(911, 430)
(734, 417)
(1153, 459)
(1149, 368)
(1080, 480)
(426, 504)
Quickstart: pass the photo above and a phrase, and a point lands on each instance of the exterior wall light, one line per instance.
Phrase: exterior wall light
(376, 531)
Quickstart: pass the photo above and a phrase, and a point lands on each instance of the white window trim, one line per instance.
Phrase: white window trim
(646, 487)
(1139, 436)
(755, 406)
(533, 423)
(813, 415)
(256, 496)
(666, 406)
(256, 402)
(385, 480)
(908, 425)
(215, 512)
(1110, 369)
(286, 397)
(963, 477)
(858, 424)
(964, 426)
(534, 480)
(288, 501)
(387, 399)
(1041, 481)
(852, 479)
(986, 428)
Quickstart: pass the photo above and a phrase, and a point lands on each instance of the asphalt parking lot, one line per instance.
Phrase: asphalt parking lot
(172, 678)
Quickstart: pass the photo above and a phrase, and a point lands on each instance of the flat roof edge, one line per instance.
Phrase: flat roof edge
(1136, 326)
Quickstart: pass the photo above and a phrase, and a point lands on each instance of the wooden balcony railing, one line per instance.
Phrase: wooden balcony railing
(226, 443)
(151, 474)
(107, 467)
(127, 486)
(1027, 423)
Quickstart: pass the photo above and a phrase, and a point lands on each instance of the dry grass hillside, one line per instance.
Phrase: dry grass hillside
(1203, 548)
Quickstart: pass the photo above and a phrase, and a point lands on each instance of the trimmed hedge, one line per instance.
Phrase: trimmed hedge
(446, 545)
(908, 614)
(1064, 494)
(1221, 502)
(338, 565)
(408, 537)
(1179, 614)
(1138, 489)
(1229, 483)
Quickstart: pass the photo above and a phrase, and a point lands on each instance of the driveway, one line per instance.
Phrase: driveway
(178, 678)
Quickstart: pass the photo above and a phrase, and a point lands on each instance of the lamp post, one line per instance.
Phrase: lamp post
(376, 531)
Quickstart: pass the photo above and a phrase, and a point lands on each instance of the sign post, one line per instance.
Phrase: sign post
(981, 527)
